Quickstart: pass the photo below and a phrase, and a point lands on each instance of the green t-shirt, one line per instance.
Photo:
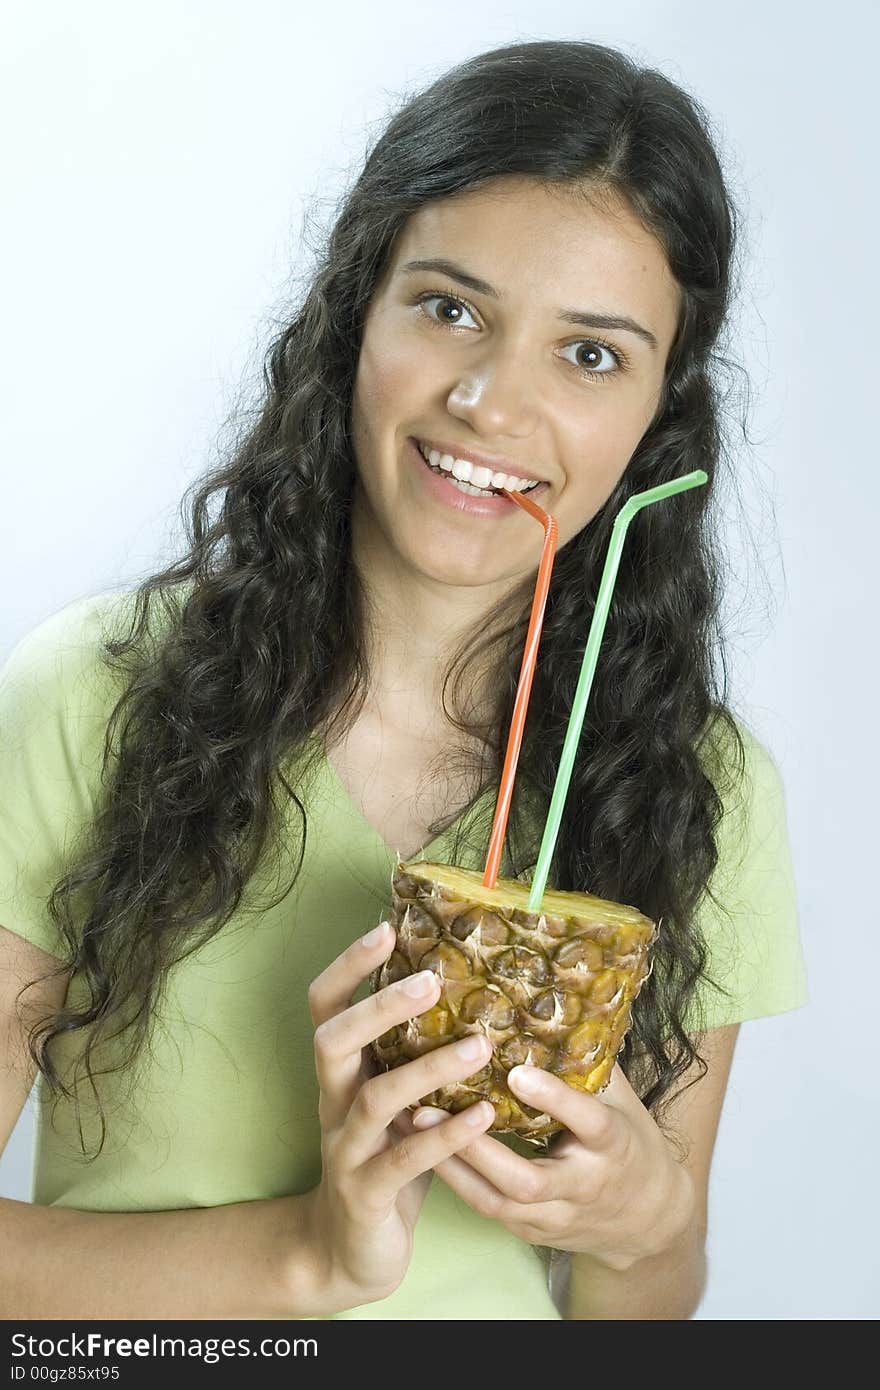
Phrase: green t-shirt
(222, 1106)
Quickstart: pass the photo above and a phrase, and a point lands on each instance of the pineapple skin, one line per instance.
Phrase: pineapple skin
(552, 988)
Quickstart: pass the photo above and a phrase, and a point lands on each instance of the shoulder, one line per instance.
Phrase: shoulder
(748, 915)
(54, 678)
(64, 642)
(56, 687)
(735, 757)
(55, 698)
(60, 662)
(749, 784)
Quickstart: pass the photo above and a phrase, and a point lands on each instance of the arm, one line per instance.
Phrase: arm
(245, 1260)
(668, 1285)
(214, 1262)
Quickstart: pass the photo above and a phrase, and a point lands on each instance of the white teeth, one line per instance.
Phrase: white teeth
(481, 479)
(472, 491)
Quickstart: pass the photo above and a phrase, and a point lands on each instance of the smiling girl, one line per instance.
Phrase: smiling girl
(524, 288)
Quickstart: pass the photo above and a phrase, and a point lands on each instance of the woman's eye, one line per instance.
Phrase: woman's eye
(599, 359)
(594, 359)
(458, 305)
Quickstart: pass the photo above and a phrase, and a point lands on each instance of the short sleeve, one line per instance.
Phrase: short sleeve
(55, 700)
(750, 921)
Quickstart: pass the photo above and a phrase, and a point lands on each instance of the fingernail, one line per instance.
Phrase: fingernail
(476, 1114)
(528, 1080)
(424, 1119)
(419, 984)
(471, 1047)
(373, 937)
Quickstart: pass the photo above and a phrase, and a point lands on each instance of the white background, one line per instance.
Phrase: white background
(158, 162)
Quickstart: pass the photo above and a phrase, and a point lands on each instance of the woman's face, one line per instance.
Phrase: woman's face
(505, 374)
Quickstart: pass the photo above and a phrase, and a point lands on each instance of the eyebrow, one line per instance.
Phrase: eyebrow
(586, 317)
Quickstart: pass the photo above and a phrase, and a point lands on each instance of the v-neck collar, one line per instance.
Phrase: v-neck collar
(344, 800)
(360, 851)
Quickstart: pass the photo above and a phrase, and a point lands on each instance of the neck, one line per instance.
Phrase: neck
(413, 625)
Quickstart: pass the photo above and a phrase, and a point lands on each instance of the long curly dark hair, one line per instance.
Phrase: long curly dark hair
(259, 643)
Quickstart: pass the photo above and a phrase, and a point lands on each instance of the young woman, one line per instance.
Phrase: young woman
(201, 814)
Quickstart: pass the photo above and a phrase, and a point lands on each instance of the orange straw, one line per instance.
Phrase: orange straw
(524, 685)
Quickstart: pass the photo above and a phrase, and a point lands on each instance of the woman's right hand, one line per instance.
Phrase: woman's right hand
(363, 1211)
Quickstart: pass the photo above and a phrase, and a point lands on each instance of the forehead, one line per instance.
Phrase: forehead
(550, 247)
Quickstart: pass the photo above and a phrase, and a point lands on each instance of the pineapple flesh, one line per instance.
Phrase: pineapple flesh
(552, 988)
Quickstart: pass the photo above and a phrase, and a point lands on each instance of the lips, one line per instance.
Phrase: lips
(439, 489)
(480, 460)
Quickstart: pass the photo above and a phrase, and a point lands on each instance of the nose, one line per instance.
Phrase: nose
(496, 395)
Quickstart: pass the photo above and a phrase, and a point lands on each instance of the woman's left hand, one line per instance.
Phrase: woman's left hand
(610, 1187)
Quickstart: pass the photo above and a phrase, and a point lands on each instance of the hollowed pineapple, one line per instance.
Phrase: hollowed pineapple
(552, 988)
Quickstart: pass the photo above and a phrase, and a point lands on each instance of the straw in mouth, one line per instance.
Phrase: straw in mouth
(524, 684)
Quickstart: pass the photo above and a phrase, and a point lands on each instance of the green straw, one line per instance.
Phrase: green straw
(588, 669)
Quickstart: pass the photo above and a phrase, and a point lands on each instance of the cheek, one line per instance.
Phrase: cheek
(614, 430)
(600, 454)
(597, 460)
(384, 379)
(384, 401)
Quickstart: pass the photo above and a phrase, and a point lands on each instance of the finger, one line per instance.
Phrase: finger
(524, 1180)
(339, 1040)
(620, 1096)
(598, 1126)
(388, 1172)
(541, 1222)
(382, 1098)
(333, 990)
(480, 1194)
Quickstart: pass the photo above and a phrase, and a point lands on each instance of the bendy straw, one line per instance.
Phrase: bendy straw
(588, 669)
(524, 684)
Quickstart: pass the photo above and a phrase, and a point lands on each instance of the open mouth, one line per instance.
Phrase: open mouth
(471, 489)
